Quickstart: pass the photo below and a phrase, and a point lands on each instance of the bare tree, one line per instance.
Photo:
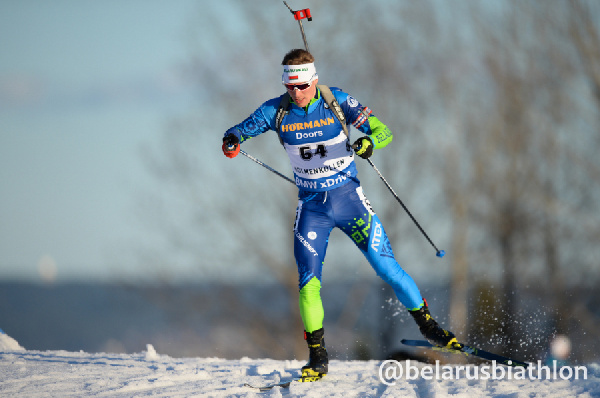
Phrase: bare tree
(518, 153)
(483, 102)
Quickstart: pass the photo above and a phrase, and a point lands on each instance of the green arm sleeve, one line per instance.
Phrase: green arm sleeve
(380, 133)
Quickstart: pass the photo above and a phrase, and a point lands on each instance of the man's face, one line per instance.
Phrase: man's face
(302, 97)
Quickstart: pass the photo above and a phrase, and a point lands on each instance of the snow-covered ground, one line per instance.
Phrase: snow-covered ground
(26, 373)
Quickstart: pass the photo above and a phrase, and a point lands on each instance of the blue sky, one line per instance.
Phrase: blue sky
(83, 85)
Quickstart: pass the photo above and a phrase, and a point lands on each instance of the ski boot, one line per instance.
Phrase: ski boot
(318, 361)
(432, 331)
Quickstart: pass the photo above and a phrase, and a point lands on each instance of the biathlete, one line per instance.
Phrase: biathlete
(330, 194)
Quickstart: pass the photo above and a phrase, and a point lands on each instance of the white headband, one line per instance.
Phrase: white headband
(299, 73)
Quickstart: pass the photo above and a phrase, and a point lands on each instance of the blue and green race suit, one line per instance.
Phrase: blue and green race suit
(330, 194)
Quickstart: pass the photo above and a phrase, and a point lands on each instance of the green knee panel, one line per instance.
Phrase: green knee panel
(311, 306)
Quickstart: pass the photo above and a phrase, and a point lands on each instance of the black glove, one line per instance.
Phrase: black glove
(231, 140)
(231, 145)
(363, 147)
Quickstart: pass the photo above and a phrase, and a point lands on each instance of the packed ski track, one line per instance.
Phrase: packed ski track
(26, 373)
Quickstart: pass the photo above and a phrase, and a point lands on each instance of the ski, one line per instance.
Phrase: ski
(286, 384)
(467, 351)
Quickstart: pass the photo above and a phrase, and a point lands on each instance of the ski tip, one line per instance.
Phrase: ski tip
(440, 253)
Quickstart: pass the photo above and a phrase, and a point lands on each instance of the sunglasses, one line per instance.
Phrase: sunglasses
(300, 87)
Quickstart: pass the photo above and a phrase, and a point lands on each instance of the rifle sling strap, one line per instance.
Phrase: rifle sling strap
(330, 100)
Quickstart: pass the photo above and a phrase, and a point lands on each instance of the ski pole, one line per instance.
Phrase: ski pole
(439, 253)
(266, 166)
(299, 16)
